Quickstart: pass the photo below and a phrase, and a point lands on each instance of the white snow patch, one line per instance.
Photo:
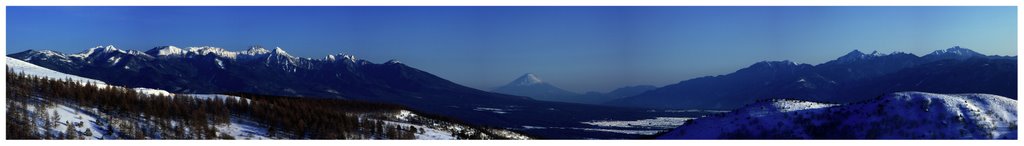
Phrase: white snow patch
(149, 91)
(428, 133)
(220, 64)
(241, 128)
(494, 110)
(69, 115)
(622, 131)
(114, 60)
(215, 97)
(658, 122)
(404, 115)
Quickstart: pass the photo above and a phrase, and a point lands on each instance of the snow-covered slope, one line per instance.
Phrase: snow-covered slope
(18, 66)
(439, 130)
(902, 115)
(90, 120)
(90, 124)
(32, 69)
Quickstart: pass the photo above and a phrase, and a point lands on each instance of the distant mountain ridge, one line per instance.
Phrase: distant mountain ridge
(850, 78)
(622, 92)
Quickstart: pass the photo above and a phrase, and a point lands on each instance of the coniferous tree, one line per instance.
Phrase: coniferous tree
(88, 132)
(70, 132)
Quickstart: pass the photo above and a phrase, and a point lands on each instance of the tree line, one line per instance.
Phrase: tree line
(124, 113)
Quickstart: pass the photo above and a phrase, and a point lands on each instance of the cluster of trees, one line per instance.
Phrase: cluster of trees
(125, 114)
(307, 118)
(19, 123)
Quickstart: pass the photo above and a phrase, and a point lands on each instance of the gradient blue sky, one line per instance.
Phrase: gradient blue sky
(577, 48)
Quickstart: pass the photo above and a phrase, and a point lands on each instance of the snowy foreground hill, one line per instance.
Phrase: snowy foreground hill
(32, 69)
(901, 115)
(33, 115)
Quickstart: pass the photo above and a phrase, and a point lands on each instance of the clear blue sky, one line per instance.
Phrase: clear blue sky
(577, 48)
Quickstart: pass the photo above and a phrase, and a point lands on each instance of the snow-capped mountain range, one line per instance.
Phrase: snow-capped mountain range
(216, 67)
(901, 115)
(852, 77)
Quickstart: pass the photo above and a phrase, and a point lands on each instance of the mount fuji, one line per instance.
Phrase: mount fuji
(530, 85)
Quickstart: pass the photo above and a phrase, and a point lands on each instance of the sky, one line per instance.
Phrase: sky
(580, 49)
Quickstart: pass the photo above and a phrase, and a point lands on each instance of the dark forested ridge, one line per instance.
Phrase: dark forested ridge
(849, 78)
(122, 113)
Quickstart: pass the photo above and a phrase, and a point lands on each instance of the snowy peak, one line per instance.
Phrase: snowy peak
(48, 53)
(393, 61)
(345, 57)
(97, 50)
(166, 51)
(279, 56)
(771, 65)
(777, 63)
(857, 55)
(256, 50)
(350, 58)
(206, 50)
(853, 56)
(44, 55)
(956, 52)
(329, 58)
(527, 79)
(108, 48)
(530, 85)
(279, 51)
